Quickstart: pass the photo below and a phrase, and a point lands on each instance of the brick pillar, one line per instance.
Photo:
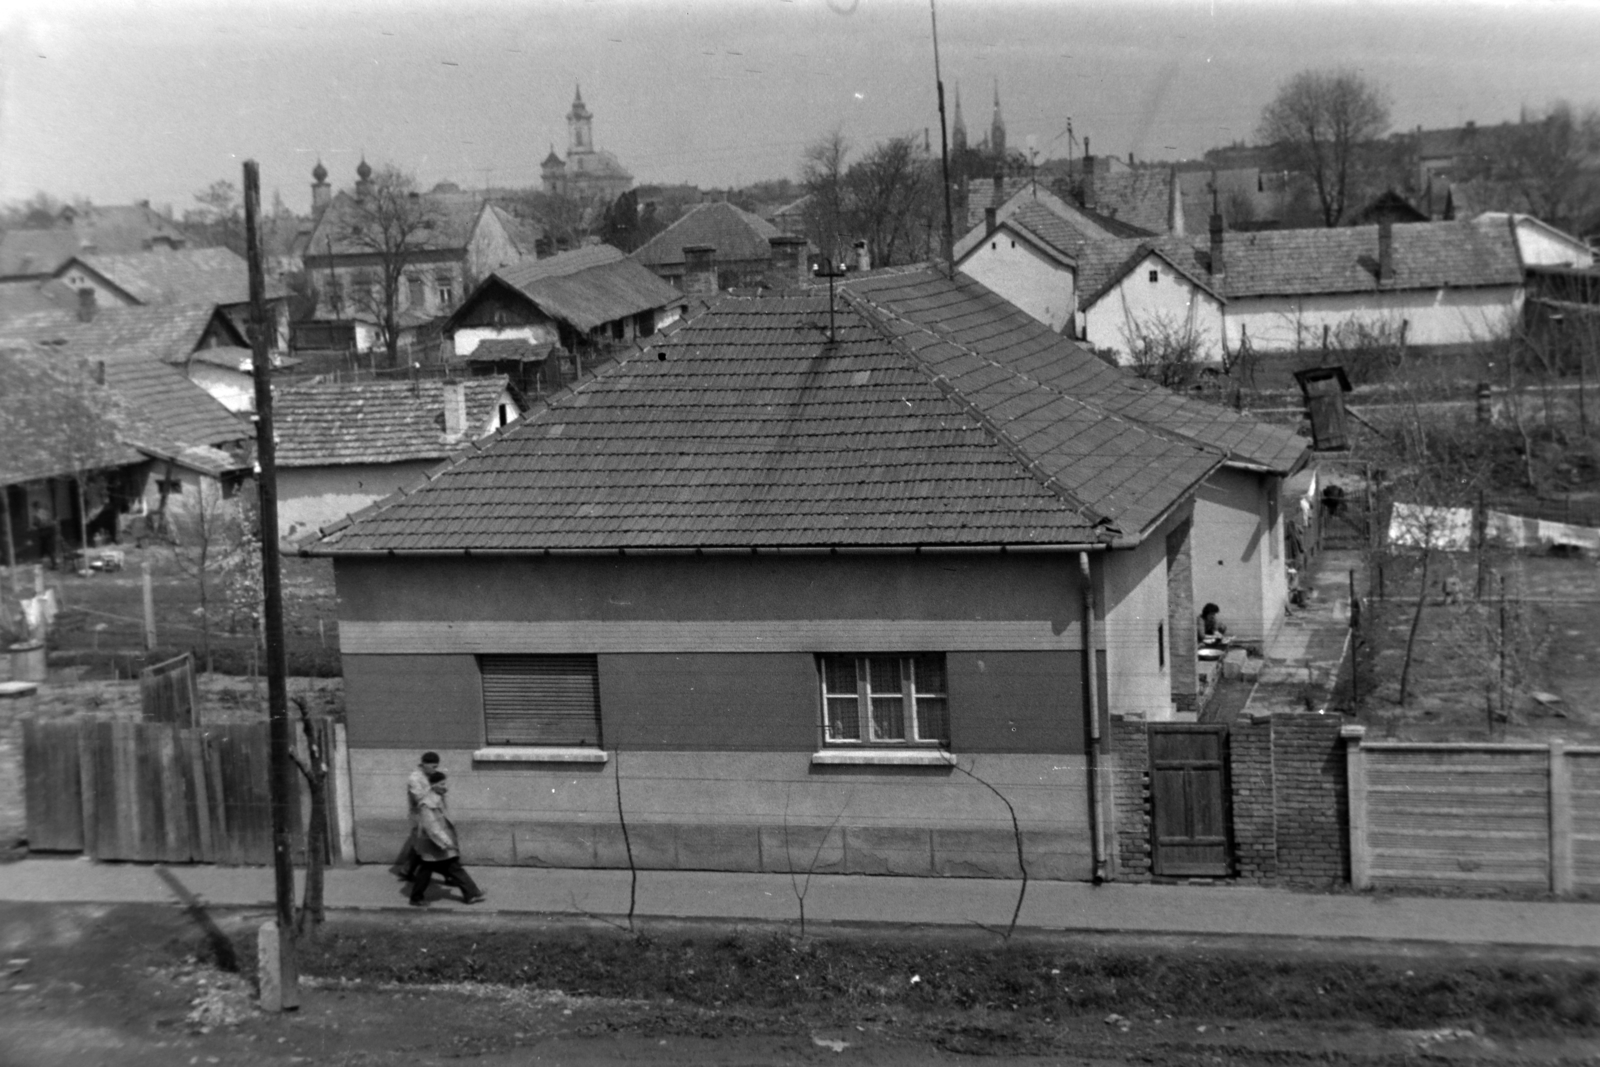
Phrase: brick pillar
(1312, 797)
(1181, 619)
(1130, 798)
(1255, 834)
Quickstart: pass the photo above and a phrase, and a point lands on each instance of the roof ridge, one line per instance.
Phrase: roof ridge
(1031, 465)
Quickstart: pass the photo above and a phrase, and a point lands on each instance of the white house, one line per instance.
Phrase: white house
(1032, 272)
(1137, 292)
(1541, 244)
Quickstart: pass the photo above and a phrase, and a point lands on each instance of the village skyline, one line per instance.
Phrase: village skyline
(716, 94)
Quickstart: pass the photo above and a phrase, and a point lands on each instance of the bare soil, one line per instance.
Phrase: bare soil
(84, 985)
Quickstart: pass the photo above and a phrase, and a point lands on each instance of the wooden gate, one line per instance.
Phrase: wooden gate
(1189, 800)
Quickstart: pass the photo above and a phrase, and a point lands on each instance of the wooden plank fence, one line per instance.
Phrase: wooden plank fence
(1474, 815)
(167, 691)
(157, 792)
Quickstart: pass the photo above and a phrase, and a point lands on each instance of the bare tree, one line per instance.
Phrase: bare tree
(1546, 159)
(822, 173)
(393, 224)
(200, 534)
(1319, 122)
(892, 191)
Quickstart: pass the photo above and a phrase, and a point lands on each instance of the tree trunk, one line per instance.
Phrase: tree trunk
(1416, 619)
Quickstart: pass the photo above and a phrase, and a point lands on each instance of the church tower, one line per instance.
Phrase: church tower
(580, 135)
(997, 129)
(958, 129)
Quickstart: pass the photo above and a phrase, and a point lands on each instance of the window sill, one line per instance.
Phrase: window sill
(532, 754)
(888, 757)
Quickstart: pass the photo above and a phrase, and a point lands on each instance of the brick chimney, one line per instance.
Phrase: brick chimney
(790, 265)
(1219, 266)
(699, 270)
(455, 410)
(86, 305)
(863, 256)
(989, 222)
(99, 372)
(1385, 251)
(1086, 187)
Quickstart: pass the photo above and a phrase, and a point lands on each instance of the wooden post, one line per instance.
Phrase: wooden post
(1561, 867)
(1355, 763)
(7, 532)
(149, 606)
(344, 802)
(1355, 643)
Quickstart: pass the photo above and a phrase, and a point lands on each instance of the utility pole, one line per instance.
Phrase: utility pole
(280, 983)
(944, 153)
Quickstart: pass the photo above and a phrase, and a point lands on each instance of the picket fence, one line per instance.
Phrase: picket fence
(118, 789)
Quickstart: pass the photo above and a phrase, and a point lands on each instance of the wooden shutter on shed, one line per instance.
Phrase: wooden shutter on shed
(541, 700)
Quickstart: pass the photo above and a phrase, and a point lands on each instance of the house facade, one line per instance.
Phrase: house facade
(801, 597)
(1143, 297)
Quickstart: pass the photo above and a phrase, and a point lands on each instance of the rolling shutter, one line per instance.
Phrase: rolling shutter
(541, 700)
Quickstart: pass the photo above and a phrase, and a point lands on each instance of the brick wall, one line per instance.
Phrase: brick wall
(1130, 798)
(1312, 799)
(1255, 836)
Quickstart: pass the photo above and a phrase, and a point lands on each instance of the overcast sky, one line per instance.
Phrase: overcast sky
(120, 100)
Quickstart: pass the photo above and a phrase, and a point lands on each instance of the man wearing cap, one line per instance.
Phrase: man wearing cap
(417, 787)
(437, 848)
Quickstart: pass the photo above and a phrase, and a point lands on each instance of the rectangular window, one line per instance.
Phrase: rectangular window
(1155, 276)
(885, 699)
(169, 486)
(541, 700)
(447, 293)
(644, 323)
(619, 330)
(414, 290)
(1273, 489)
(1161, 645)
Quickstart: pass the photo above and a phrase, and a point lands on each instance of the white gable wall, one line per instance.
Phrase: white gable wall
(1237, 549)
(538, 334)
(1434, 316)
(1133, 627)
(233, 389)
(1041, 286)
(1541, 246)
(1136, 302)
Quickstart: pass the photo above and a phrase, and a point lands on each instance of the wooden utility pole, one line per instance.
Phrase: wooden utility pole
(286, 994)
(944, 148)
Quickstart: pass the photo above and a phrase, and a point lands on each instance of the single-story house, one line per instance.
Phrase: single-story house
(783, 590)
(1148, 295)
(342, 446)
(1541, 244)
(1442, 283)
(1238, 531)
(584, 301)
(739, 244)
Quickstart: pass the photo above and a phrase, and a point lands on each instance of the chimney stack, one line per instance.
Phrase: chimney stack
(455, 410)
(1385, 251)
(1218, 264)
(989, 222)
(1086, 187)
(863, 256)
(86, 305)
(790, 266)
(99, 372)
(699, 271)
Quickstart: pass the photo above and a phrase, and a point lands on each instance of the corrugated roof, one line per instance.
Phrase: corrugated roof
(736, 234)
(588, 287)
(970, 314)
(745, 427)
(1426, 255)
(179, 275)
(373, 422)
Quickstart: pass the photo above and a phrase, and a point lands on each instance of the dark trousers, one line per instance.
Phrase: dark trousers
(405, 864)
(450, 870)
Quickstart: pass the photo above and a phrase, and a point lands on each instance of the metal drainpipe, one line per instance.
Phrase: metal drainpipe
(1097, 837)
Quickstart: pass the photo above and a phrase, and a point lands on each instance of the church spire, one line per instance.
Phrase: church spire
(997, 129)
(958, 129)
(580, 133)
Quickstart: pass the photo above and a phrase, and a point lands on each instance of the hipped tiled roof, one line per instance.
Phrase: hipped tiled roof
(450, 217)
(1426, 255)
(972, 315)
(747, 426)
(374, 422)
(736, 234)
(589, 286)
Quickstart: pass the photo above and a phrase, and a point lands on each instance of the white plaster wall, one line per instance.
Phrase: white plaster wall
(1238, 559)
(1436, 316)
(1133, 625)
(1113, 320)
(310, 497)
(233, 389)
(468, 338)
(1036, 284)
(1541, 248)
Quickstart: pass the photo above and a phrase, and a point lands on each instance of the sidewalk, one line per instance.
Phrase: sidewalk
(1308, 649)
(734, 897)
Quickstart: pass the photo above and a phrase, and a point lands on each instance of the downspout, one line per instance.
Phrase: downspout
(1097, 834)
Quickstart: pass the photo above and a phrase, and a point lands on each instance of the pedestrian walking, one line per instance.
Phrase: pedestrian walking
(417, 787)
(438, 849)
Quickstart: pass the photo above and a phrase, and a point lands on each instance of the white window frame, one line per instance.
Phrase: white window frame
(911, 702)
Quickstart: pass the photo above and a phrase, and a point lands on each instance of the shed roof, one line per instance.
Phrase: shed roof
(971, 314)
(588, 286)
(334, 423)
(745, 426)
(736, 234)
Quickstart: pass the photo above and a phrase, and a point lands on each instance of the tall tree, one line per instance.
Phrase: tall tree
(219, 217)
(1319, 122)
(1546, 159)
(822, 173)
(892, 192)
(393, 224)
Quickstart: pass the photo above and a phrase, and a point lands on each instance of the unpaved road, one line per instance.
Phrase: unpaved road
(140, 987)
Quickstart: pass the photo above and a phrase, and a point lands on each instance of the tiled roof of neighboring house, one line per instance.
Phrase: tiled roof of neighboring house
(1050, 228)
(1104, 263)
(1037, 204)
(1141, 196)
(124, 228)
(178, 408)
(36, 252)
(973, 315)
(1244, 195)
(453, 217)
(179, 275)
(373, 422)
(744, 426)
(525, 234)
(158, 332)
(503, 349)
(589, 286)
(1425, 255)
(27, 296)
(735, 233)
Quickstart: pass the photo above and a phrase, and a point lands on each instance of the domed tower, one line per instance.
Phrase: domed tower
(321, 191)
(553, 173)
(958, 128)
(363, 178)
(580, 134)
(997, 129)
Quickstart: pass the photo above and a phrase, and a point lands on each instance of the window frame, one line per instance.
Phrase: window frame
(915, 703)
(534, 751)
